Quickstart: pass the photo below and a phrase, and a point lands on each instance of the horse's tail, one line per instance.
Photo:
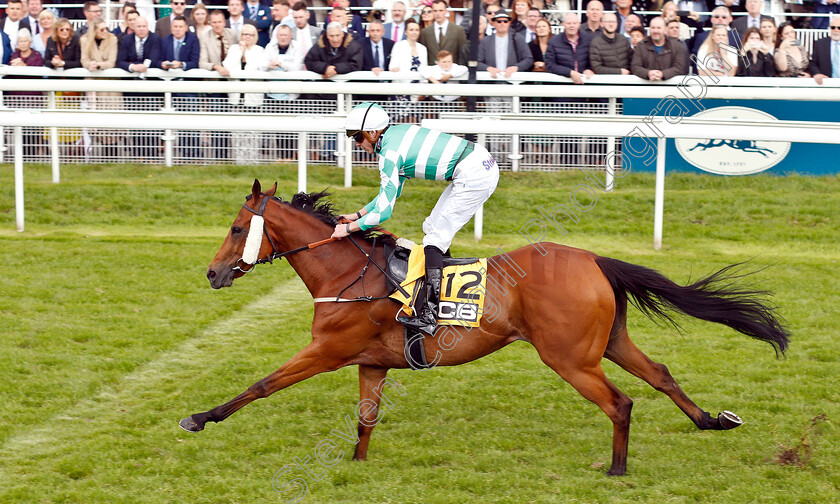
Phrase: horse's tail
(715, 298)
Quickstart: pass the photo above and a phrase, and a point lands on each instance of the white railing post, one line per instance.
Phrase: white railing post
(659, 194)
(608, 179)
(348, 144)
(302, 140)
(19, 177)
(515, 155)
(54, 152)
(167, 133)
(341, 151)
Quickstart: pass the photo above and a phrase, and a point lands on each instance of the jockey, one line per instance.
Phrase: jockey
(409, 151)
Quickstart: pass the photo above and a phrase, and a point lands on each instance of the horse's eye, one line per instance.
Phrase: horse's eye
(235, 230)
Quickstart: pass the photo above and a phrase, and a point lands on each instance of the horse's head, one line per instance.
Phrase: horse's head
(244, 245)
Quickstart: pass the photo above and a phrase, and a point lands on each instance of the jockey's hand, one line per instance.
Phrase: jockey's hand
(340, 231)
(348, 217)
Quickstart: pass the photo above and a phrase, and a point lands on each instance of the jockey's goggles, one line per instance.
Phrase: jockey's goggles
(356, 135)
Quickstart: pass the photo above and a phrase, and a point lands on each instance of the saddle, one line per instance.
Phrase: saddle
(397, 268)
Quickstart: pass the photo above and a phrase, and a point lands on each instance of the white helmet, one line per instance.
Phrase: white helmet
(366, 116)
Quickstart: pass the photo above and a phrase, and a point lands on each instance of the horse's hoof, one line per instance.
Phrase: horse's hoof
(190, 425)
(729, 420)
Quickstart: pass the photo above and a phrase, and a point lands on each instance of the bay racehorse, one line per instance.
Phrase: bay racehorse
(570, 304)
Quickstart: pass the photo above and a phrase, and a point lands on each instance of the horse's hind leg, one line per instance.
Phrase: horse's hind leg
(371, 381)
(623, 352)
(592, 384)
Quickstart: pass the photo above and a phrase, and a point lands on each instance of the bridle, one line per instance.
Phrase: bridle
(275, 254)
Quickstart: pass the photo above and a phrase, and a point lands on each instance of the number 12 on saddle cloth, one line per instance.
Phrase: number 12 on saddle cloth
(462, 290)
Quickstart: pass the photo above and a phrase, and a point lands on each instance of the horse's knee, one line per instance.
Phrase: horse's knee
(259, 390)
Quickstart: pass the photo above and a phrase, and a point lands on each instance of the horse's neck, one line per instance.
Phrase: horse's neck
(320, 268)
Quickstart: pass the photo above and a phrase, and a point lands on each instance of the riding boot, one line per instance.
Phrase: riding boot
(427, 320)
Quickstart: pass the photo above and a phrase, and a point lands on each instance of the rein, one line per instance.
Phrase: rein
(275, 254)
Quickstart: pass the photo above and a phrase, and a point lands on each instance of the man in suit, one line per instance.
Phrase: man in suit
(138, 52)
(304, 34)
(260, 14)
(163, 27)
(180, 50)
(281, 14)
(753, 18)
(14, 21)
(826, 60)
(720, 15)
(34, 8)
(444, 36)
(91, 10)
(6, 48)
(395, 30)
(236, 20)
(376, 48)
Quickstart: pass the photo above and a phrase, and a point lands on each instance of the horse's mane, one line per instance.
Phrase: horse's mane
(318, 205)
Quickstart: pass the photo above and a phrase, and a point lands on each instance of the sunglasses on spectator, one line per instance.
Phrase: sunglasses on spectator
(426, 12)
(503, 21)
(357, 136)
(179, 3)
(835, 27)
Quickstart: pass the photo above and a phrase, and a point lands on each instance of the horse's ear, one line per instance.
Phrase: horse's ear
(256, 190)
(270, 192)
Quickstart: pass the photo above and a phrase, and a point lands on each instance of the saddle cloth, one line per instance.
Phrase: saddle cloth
(462, 288)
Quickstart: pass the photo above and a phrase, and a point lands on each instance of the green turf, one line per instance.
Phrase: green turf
(110, 333)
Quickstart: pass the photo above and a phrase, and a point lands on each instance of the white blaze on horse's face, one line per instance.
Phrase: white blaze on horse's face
(254, 241)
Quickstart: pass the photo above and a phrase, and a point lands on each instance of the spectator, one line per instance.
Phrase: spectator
(539, 45)
(482, 28)
(624, 8)
(753, 18)
(636, 36)
(91, 11)
(504, 53)
(236, 20)
(352, 22)
(518, 16)
(24, 55)
(489, 12)
(215, 44)
(695, 6)
(376, 48)
(200, 18)
(792, 58)
(630, 22)
(138, 47)
(395, 30)
(336, 53)
(339, 15)
(827, 49)
(180, 49)
(283, 55)
(443, 35)
(281, 14)
(14, 21)
(466, 20)
(720, 16)
(672, 30)
(262, 14)
(442, 71)
(126, 26)
(99, 52)
(163, 27)
(408, 55)
(531, 17)
(824, 7)
(692, 20)
(46, 21)
(568, 52)
(63, 47)
(427, 18)
(609, 53)
(5, 48)
(658, 57)
(755, 60)
(34, 9)
(304, 33)
(713, 58)
(594, 14)
(769, 35)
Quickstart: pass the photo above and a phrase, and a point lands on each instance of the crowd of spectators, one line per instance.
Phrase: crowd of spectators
(621, 37)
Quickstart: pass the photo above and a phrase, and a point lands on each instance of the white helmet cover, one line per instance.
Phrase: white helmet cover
(367, 116)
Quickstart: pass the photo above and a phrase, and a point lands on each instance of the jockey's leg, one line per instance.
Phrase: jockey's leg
(426, 321)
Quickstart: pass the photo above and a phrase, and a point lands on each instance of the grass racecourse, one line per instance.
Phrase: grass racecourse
(110, 334)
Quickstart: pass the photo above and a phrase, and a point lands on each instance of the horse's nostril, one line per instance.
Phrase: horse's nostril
(211, 274)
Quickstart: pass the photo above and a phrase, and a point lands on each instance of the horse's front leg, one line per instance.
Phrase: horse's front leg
(308, 362)
(371, 381)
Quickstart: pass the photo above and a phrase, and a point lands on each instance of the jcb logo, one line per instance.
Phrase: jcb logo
(458, 311)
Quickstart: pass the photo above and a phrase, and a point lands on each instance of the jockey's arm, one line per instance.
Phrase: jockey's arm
(390, 188)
